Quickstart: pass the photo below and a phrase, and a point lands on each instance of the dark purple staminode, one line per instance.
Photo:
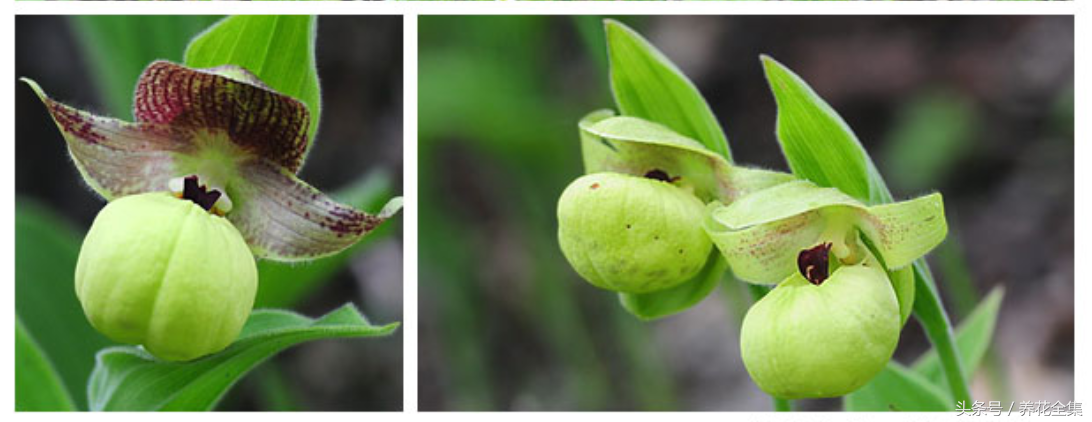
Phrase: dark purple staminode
(200, 195)
(814, 263)
(658, 175)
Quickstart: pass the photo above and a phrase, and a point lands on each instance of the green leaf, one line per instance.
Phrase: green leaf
(38, 387)
(649, 306)
(631, 145)
(817, 143)
(128, 378)
(280, 50)
(647, 85)
(117, 48)
(46, 247)
(897, 388)
(283, 285)
(973, 339)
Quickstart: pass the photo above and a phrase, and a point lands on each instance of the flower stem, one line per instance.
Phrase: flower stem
(929, 311)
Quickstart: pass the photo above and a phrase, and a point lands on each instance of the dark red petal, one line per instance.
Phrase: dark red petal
(261, 121)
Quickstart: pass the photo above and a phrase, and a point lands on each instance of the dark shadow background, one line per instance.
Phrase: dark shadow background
(359, 62)
(979, 108)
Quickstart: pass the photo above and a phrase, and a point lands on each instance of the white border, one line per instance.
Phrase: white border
(410, 10)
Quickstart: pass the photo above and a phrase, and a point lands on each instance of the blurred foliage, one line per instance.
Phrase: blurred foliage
(45, 299)
(932, 132)
(498, 120)
(37, 385)
(117, 48)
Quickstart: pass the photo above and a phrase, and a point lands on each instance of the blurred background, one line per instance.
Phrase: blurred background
(93, 63)
(979, 108)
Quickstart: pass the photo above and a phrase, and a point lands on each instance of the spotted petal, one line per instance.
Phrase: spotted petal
(226, 99)
(282, 218)
(117, 158)
(762, 233)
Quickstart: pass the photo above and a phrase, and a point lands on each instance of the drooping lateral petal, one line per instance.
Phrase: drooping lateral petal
(761, 234)
(226, 99)
(284, 219)
(635, 146)
(116, 158)
(904, 231)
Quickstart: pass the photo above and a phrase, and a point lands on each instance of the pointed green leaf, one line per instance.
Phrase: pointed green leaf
(635, 146)
(898, 389)
(279, 50)
(649, 306)
(128, 378)
(38, 387)
(973, 339)
(817, 143)
(647, 85)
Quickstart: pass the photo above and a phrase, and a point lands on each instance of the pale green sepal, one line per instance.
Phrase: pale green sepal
(778, 203)
(667, 302)
(630, 145)
(902, 280)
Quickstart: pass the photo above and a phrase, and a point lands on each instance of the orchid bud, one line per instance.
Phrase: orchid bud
(632, 234)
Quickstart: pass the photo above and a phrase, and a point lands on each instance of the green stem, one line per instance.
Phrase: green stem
(930, 312)
(757, 292)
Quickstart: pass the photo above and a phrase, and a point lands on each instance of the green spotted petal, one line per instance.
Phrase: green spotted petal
(635, 146)
(904, 231)
(761, 234)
